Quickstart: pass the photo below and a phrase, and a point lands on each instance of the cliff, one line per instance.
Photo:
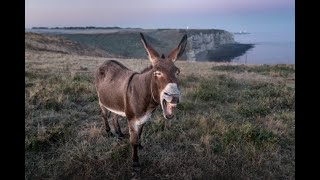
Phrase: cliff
(201, 42)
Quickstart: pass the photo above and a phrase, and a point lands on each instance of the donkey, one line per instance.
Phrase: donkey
(136, 95)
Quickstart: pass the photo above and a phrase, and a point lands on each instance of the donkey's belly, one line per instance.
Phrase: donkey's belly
(112, 110)
(112, 101)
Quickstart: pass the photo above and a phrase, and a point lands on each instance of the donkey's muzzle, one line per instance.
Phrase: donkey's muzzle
(169, 97)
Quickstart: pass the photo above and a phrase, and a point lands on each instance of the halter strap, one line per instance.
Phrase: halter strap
(152, 91)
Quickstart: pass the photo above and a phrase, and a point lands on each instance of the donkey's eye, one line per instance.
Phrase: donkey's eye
(157, 73)
(177, 73)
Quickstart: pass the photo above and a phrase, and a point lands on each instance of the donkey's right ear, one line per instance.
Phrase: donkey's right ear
(177, 52)
(152, 54)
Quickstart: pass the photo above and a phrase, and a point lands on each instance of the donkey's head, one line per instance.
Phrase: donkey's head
(164, 83)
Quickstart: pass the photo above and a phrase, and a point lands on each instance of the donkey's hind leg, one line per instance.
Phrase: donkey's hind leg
(116, 126)
(104, 113)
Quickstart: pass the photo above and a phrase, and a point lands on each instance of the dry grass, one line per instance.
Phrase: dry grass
(230, 124)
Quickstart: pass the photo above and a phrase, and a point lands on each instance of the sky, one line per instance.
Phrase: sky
(230, 15)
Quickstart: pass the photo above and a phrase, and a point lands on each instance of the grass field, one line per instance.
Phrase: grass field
(234, 122)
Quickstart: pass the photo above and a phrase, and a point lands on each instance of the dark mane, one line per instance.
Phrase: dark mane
(148, 68)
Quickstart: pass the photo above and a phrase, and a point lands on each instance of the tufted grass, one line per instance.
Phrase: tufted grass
(234, 122)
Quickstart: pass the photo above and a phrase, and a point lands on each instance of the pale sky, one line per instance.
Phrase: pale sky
(230, 15)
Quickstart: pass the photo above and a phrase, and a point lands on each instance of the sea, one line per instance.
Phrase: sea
(269, 48)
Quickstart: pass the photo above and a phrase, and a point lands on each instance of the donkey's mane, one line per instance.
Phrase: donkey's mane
(148, 68)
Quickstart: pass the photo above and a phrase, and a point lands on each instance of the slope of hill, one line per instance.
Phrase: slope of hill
(127, 44)
(59, 44)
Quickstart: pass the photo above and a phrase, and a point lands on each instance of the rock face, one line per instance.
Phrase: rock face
(202, 41)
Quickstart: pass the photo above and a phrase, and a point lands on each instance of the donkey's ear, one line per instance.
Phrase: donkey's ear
(178, 51)
(152, 54)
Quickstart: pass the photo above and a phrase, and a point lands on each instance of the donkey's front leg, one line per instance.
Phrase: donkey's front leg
(140, 132)
(134, 141)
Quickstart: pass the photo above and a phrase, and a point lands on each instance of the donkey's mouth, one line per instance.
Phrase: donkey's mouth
(169, 99)
(167, 108)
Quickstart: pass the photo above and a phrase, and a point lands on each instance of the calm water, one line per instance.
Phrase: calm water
(270, 48)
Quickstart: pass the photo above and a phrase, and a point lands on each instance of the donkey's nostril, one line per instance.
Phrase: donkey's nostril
(175, 100)
(166, 94)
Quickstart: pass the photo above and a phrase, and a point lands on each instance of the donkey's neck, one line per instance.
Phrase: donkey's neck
(139, 98)
(145, 82)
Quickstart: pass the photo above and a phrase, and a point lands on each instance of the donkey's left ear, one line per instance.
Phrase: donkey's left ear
(178, 51)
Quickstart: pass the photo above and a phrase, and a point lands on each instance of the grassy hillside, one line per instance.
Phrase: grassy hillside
(234, 122)
(55, 43)
(128, 44)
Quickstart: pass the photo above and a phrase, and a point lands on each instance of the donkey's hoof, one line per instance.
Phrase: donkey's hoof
(136, 170)
(135, 175)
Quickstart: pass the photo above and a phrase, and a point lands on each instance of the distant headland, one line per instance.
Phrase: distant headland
(203, 44)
